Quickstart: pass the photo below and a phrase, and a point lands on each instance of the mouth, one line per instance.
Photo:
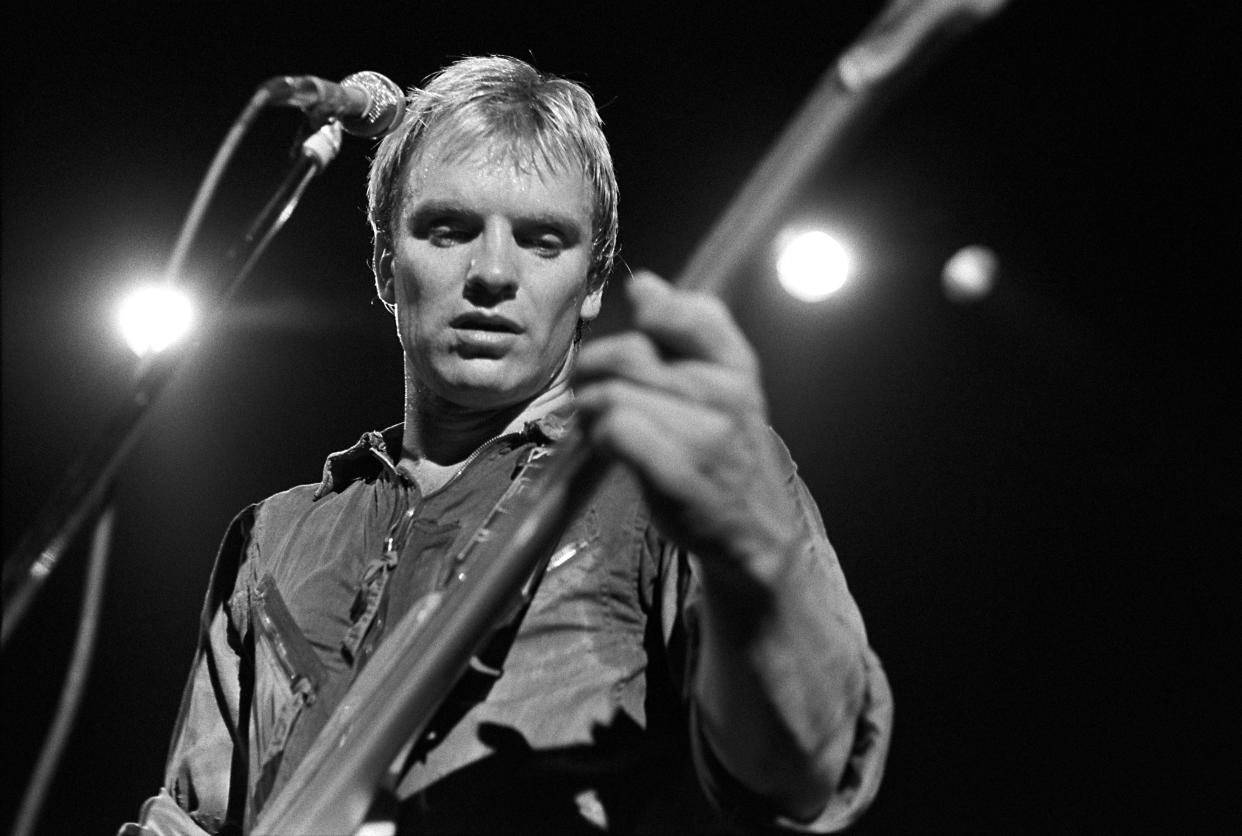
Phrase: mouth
(486, 322)
(482, 335)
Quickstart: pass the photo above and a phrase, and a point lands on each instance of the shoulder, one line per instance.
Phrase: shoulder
(287, 504)
(263, 534)
(299, 520)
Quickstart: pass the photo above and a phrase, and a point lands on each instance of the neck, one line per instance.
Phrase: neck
(443, 433)
(440, 433)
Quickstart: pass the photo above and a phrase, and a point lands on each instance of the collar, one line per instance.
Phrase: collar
(369, 457)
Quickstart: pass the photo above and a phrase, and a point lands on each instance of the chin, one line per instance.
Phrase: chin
(487, 392)
(481, 383)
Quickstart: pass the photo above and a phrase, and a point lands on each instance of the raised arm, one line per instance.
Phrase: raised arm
(786, 693)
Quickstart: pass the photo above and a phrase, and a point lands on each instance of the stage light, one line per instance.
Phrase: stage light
(154, 317)
(970, 274)
(812, 265)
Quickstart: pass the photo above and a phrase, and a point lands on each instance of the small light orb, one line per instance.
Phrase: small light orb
(154, 317)
(813, 265)
(970, 274)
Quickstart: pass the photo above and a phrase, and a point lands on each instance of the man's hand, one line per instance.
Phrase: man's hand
(679, 399)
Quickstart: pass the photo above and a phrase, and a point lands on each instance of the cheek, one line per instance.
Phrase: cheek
(424, 286)
(570, 291)
(563, 317)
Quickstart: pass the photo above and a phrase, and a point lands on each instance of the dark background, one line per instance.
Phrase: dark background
(1035, 497)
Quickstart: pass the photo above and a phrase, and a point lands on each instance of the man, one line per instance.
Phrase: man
(691, 659)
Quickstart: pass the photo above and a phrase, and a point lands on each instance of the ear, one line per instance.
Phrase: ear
(381, 263)
(591, 303)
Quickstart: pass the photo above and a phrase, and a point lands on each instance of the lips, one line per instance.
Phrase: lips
(480, 334)
(477, 321)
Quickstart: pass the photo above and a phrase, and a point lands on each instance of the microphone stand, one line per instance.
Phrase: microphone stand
(88, 478)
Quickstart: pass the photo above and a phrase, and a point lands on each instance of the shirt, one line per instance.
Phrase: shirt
(578, 717)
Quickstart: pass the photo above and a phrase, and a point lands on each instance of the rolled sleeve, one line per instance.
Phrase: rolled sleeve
(860, 779)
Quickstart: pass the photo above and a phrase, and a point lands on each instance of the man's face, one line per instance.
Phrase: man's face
(487, 267)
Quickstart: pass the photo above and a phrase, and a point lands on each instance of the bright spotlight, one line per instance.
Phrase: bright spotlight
(813, 265)
(154, 317)
(970, 274)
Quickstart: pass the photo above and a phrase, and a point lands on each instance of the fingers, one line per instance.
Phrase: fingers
(635, 358)
(679, 400)
(673, 442)
(688, 325)
(685, 344)
(708, 473)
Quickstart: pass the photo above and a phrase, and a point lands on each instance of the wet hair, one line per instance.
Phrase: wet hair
(537, 121)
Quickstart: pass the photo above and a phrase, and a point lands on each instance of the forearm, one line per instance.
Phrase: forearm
(780, 682)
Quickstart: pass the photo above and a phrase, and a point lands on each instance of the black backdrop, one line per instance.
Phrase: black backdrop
(1035, 496)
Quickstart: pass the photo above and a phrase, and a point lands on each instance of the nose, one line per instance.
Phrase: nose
(493, 273)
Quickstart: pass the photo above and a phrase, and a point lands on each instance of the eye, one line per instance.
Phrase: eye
(443, 226)
(547, 243)
(447, 234)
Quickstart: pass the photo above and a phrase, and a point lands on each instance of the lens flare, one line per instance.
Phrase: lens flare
(970, 274)
(154, 317)
(813, 265)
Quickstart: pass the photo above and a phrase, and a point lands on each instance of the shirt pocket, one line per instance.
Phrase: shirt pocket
(289, 679)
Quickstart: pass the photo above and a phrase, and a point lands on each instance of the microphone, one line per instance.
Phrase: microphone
(366, 104)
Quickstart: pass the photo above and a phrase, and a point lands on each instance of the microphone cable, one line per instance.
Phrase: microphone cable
(75, 678)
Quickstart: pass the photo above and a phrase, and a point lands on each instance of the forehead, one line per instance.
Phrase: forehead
(496, 176)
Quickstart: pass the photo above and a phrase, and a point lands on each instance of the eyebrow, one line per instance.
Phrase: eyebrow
(440, 207)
